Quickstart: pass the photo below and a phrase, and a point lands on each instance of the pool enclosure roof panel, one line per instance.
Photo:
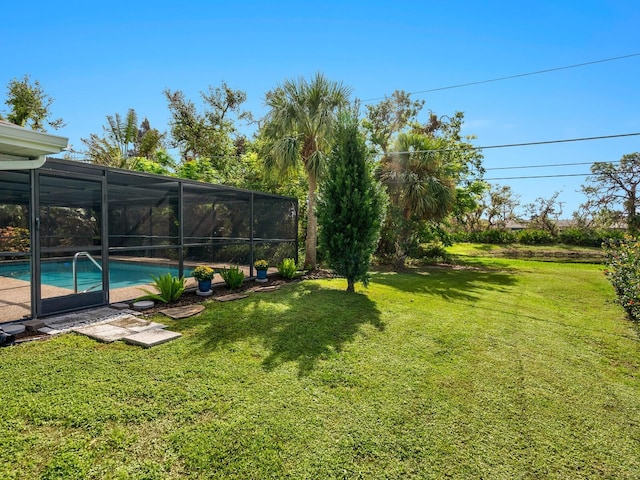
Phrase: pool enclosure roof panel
(24, 149)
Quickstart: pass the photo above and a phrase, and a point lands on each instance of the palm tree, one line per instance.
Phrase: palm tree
(420, 189)
(416, 179)
(124, 143)
(298, 128)
(114, 149)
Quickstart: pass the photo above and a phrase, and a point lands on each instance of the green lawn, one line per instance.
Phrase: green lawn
(506, 369)
(557, 252)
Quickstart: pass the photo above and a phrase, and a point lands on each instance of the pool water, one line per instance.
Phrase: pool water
(60, 273)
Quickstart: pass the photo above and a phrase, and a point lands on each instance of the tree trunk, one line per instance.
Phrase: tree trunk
(350, 285)
(633, 222)
(310, 261)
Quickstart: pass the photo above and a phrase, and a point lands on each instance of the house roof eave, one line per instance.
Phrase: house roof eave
(21, 148)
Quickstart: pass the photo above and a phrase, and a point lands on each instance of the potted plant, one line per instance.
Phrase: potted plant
(261, 267)
(203, 274)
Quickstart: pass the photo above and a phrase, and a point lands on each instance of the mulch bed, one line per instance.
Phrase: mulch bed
(189, 297)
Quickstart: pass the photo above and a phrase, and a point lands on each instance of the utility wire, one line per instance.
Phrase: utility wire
(567, 140)
(549, 165)
(541, 176)
(510, 145)
(510, 178)
(509, 77)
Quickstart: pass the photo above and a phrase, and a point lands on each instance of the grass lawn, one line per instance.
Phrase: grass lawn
(556, 253)
(506, 369)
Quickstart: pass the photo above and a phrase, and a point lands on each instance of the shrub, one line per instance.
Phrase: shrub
(435, 251)
(430, 251)
(535, 237)
(623, 271)
(494, 236)
(287, 268)
(14, 239)
(605, 235)
(232, 276)
(170, 288)
(577, 236)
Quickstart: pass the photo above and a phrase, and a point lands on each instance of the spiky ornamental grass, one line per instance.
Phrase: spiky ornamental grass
(170, 288)
(350, 206)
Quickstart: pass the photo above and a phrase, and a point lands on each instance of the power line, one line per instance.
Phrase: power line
(548, 142)
(526, 144)
(509, 77)
(523, 177)
(541, 176)
(548, 165)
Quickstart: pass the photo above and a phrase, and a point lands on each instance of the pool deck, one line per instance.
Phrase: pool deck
(15, 298)
(15, 295)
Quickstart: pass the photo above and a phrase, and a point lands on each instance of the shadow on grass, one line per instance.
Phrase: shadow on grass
(302, 324)
(484, 247)
(448, 282)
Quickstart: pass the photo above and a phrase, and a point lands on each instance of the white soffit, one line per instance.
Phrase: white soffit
(23, 149)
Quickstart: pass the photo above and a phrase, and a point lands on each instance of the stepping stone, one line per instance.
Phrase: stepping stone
(143, 305)
(183, 312)
(104, 332)
(49, 331)
(120, 306)
(127, 321)
(270, 288)
(13, 328)
(151, 338)
(34, 325)
(144, 328)
(230, 297)
(130, 322)
(134, 324)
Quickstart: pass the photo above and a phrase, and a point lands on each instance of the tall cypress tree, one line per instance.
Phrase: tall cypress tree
(351, 205)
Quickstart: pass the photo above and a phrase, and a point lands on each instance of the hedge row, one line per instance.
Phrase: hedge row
(569, 236)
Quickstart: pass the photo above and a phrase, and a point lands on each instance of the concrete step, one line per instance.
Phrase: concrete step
(151, 338)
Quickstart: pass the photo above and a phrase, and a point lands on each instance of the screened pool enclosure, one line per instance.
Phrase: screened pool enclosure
(75, 235)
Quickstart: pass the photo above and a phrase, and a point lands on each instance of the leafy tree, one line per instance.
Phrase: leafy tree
(613, 186)
(501, 206)
(211, 133)
(494, 209)
(544, 213)
(597, 211)
(386, 119)
(298, 128)
(124, 144)
(351, 205)
(430, 172)
(29, 105)
(199, 169)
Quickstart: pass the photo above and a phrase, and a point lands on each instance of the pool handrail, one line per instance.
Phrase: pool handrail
(75, 272)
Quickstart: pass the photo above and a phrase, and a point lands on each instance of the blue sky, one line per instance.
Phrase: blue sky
(99, 58)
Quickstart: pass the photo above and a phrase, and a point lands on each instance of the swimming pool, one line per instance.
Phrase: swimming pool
(60, 273)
